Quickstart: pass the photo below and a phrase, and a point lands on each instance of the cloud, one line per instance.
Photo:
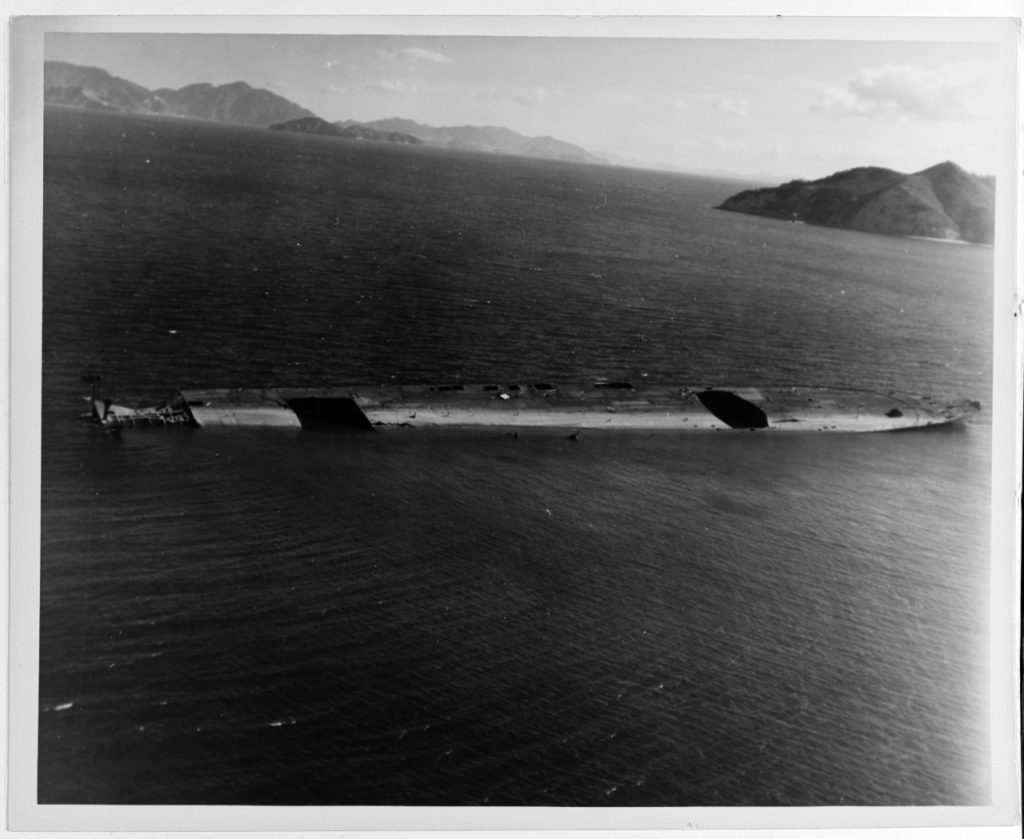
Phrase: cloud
(730, 145)
(532, 95)
(421, 54)
(415, 54)
(523, 95)
(737, 107)
(740, 107)
(952, 91)
(389, 86)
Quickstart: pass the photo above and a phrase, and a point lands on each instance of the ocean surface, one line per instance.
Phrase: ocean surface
(418, 617)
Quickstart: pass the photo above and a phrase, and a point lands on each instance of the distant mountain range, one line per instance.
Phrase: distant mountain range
(91, 87)
(488, 138)
(348, 131)
(943, 202)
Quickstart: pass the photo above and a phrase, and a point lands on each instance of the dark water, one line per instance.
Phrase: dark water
(462, 618)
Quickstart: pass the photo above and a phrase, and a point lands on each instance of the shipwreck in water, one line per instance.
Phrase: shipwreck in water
(601, 404)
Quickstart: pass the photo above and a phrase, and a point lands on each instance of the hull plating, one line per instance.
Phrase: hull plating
(572, 406)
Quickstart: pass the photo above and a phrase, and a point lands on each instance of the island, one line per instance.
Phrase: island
(942, 202)
(315, 125)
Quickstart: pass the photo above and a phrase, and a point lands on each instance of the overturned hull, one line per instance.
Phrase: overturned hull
(598, 405)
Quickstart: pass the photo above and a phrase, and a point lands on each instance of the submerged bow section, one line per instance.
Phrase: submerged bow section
(597, 405)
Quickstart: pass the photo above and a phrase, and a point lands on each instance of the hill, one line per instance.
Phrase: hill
(943, 202)
(239, 103)
(352, 131)
(91, 87)
(488, 138)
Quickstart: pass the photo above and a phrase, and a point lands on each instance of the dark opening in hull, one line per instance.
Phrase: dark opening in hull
(318, 411)
(733, 410)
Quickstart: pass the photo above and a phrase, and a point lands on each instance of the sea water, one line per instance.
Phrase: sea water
(471, 618)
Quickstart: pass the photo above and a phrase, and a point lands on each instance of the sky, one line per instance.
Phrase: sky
(771, 109)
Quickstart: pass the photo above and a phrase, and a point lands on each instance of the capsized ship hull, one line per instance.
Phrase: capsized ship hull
(596, 405)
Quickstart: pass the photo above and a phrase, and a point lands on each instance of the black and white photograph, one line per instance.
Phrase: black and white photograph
(516, 416)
